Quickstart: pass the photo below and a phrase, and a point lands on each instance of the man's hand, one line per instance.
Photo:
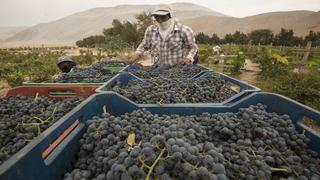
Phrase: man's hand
(185, 61)
(134, 58)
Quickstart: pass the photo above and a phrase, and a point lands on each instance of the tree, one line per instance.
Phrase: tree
(314, 37)
(126, 31)
(285, 37)
(297, 41)
(240, 38)
(261, 36)
(114, 45)
(144, 20)
(91, 41)
(130, 34)
(228, 38)
(215, 39)
(202, 38)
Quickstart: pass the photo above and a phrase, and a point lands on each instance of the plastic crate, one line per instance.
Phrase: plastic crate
(242, 88)
(57, 92)
(53, 153)
(70, 84)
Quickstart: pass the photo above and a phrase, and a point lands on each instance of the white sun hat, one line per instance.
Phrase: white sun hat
(161, 10)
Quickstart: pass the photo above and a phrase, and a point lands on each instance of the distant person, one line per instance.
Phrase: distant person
(216, 50)
(168, 41)
(66, 64)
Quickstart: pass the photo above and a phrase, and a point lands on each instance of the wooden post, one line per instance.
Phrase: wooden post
(305, 57)
(306, 53)
(221, 64)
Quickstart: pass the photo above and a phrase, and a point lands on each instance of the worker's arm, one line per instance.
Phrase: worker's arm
(144, 45)
(191, 46)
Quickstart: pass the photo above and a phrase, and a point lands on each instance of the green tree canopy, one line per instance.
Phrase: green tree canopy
(261, 36)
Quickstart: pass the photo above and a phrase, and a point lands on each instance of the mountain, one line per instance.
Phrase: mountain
(199, 18)
(91, 22)
(300, 21)
(6, 32)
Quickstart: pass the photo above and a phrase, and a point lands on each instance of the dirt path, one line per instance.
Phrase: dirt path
(249, 72)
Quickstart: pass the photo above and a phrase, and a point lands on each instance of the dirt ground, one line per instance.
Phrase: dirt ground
(249, 72)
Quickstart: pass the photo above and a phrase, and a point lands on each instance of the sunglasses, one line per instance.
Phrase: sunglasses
(159, 17)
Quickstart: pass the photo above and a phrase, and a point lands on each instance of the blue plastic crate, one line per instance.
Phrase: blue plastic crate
(243, 89)
(29, 163)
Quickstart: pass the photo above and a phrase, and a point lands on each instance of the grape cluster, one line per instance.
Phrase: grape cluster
(97, 73)
(261, 145)
(23, 118)
(209, 146)
(206, 89)
(167, 71)
(165, 147)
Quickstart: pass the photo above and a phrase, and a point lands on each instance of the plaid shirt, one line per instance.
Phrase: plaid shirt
(179, 44)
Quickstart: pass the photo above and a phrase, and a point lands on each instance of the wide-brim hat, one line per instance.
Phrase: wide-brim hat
(161, 10)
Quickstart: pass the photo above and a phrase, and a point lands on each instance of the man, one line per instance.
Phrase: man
(168, 41)
(216, 50)
(65, 64)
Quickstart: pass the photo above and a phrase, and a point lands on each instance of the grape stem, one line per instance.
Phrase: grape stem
(41, 121)
(154, 164)
(279, 169)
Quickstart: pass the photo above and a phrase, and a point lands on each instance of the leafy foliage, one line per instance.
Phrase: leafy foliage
(314, 37)
(240, 38)
(263, 37)
(271, 66)
(237, 63)
(302, 87)
(204, 52)
(121, 37)
(287, 38)
(91, 41)
(203, 38)
(30, 66)
(17, 67)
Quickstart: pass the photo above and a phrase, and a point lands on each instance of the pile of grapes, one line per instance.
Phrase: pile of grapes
(168, 71)
(249, 144)
(23, 118)
(97, 73)
(207, 89)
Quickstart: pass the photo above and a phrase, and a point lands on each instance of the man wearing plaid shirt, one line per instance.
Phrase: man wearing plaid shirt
(169, 42)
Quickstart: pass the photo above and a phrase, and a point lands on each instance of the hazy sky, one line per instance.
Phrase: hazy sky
(32, 12)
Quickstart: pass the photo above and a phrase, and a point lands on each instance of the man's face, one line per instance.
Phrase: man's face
(161, 19)
(66, 66)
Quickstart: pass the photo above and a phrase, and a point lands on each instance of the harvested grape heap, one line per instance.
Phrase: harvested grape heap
(168, 71)
(23, 118)
(207, 89)
(97, 73)
(249, 144)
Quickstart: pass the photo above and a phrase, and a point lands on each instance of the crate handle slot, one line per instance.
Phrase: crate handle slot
(311, 123)
(62, 93)
(52, 146)
(236, 88)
